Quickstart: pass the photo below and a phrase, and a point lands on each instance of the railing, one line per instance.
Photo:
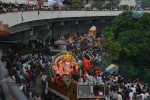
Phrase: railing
(8, 88)
(18, 17)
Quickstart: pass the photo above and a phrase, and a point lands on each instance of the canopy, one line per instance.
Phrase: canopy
(112, 68)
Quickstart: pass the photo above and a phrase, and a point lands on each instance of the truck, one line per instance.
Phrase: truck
(78, 91)
(63, 86)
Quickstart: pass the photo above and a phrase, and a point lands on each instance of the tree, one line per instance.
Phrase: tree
(145, 3)
(76, 4)
(97, 5)
(127, 40)
(124, 7)
(108, 6)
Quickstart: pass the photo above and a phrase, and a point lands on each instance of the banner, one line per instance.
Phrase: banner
(138, 11)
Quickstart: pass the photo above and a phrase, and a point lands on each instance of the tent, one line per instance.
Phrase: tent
(112, 68)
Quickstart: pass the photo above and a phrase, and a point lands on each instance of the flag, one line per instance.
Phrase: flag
(38, 12)
(22, 16)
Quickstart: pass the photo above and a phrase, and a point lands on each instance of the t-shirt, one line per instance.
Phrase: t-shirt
(43, 78)
(86, 64)
(133, 89)
(131, 95)
(146, 95)
(142, 96)
(119, 97)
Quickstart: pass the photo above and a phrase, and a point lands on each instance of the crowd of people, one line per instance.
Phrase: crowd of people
(15, 7)
(25, 68)
(11, 7)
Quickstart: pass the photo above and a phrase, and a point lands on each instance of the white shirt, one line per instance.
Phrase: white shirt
(146, 95)
(119, 97)
(131, 95)
(142, 94)
(28, 66)
(43, 78)
(133, 89)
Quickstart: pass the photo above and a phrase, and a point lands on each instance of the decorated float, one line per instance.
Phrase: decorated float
(66, 82)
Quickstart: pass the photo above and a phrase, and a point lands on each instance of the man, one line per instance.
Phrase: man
(131, 95)
(86, 64)
(43, 79)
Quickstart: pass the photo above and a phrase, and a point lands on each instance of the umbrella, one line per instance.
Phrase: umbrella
(112, 68)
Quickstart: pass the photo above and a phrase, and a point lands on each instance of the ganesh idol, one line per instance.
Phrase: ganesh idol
(65, 65)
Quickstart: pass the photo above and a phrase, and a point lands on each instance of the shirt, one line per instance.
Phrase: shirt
(86, 64)
(131, 95)
(119, 97)
(146, 95)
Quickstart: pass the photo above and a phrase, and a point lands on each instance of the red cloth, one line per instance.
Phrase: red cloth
(86, 64)
(57, 81)
(84, 75)
(97, 72)
(74, 71)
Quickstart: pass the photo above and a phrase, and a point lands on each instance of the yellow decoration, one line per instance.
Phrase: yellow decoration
(92, 31)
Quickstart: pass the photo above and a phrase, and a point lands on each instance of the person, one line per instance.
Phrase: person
(114, 96)
(84, 75)
(43, 79)
(131, 95)
(34, 79)
(86, 64)
(119, 97)
(38, 97)
(147, 95)
(83, 44)
(74, 72)
(142, 96)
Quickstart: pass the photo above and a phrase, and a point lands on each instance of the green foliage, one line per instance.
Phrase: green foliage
(128, 40)
(145, 3)
(97, 5)
(108, 6)
(132, 72)
(76, 4)
(124, 7)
